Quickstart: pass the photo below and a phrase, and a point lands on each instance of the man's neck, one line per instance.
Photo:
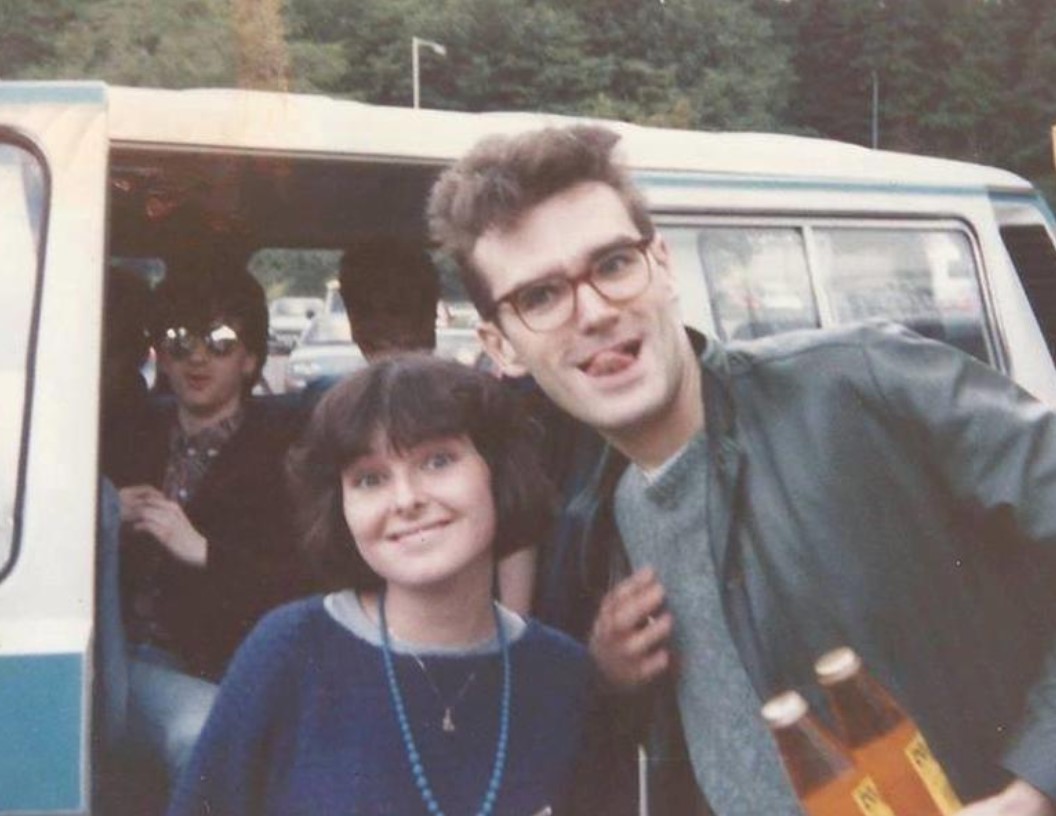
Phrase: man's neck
(192, 423)
(658, 438)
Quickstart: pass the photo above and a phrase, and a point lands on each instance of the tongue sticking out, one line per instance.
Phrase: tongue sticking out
(609, 361)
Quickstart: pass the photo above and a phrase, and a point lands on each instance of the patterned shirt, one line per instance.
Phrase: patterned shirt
(190, 456)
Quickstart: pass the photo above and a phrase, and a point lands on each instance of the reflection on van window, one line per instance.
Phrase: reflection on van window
(759, 280)
(925, 279)
(22, 211)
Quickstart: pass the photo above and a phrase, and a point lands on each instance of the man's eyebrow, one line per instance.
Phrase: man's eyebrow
(616, 242)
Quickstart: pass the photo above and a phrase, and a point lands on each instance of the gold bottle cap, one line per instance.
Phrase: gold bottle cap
(784, 709)
(837, 665)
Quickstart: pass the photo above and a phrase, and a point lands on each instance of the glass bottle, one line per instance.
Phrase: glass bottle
(883, 739)
(823, 774)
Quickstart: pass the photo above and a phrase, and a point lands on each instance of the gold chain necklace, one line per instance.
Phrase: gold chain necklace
(448, 721)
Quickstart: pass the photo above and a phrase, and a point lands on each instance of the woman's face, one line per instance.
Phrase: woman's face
(423, 517)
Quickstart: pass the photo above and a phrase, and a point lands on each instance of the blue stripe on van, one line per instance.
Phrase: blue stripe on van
(772, 183)
(1035, 200)
(35, 93)
(40, 732)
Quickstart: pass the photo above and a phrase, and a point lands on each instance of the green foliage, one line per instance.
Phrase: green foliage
(28, 31)
(172, 44)
(294, 271)
(970, 79)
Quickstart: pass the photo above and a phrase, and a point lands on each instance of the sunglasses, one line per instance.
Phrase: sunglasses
(178, 342)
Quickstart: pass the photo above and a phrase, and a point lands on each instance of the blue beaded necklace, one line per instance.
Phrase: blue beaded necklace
(487, 805)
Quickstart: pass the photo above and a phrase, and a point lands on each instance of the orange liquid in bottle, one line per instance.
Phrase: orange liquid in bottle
(821, 771)
(850, 794)
(909, 777)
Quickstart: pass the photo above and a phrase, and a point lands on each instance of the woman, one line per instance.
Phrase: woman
(407, 689)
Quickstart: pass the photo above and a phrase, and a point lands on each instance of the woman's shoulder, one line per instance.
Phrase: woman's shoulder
(547, 642)
(291, 623)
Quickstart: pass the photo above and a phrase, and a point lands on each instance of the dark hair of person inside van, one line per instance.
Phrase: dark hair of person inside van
(198, 296)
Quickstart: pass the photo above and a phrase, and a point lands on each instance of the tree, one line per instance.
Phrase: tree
(28, 32)
(940, 76)
(263, 58)
(718, 61)
(1027, 110)
(835, 62)
(175, 44)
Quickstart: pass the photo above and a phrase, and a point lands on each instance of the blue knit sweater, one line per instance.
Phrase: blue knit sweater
(304, 724)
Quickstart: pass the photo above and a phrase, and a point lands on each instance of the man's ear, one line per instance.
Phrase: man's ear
(162, 360)
(662, 263)
(249, 366)
(500, 350)
(661, 254)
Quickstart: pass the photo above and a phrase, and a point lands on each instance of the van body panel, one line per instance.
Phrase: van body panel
(41, 718)
(47, 599)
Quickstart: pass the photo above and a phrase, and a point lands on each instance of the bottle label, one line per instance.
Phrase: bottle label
(931, 774)
(869, 800)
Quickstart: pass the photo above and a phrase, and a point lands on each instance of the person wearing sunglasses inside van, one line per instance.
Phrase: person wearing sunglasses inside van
(764, 502)
(206, 545)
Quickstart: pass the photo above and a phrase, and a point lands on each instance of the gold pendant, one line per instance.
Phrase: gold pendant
(448, 723)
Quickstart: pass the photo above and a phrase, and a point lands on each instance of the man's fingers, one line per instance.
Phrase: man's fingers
(138, 492)
(653, 666)
(647, 638)
(632, 585)
(633, 610)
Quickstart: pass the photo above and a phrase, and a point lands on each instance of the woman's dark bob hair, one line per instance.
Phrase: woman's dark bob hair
(410, 399)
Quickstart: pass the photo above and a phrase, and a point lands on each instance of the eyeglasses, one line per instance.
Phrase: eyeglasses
(619, 274)
(178, 341)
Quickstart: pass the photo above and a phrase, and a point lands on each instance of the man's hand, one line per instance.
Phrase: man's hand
(146, 510)
(1018, 799)
(629, 638)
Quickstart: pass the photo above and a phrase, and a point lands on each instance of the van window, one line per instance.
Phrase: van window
(23, 215)
(924, 279)
(765, 279)
(758, 279)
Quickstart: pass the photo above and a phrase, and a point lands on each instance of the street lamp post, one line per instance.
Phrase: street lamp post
(435, 47)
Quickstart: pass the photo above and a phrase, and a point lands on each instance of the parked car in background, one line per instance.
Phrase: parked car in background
(325, 349)
(458, 343)
(288, 317)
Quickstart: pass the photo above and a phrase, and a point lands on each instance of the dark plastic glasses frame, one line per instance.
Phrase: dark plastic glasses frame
(219, 341)
(592, 275)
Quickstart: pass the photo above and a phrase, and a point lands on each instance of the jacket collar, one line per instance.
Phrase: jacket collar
(594, 503)
(724, 455)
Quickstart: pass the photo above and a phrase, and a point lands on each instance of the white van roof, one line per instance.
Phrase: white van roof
(235, 119)
(242, 119)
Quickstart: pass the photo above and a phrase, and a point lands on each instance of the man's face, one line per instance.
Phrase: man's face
(614, 366)
(208, 382)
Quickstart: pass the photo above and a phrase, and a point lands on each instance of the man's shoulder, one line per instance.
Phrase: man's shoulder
(821, 352)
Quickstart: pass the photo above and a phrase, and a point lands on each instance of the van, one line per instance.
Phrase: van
(769, 232)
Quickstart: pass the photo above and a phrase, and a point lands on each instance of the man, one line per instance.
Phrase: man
(390, 292)
(860, 486)
(207, 545)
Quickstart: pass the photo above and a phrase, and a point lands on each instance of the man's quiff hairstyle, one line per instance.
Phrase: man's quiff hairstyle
(503, 177)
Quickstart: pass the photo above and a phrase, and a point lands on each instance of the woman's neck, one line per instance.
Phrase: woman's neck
(434, 618)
